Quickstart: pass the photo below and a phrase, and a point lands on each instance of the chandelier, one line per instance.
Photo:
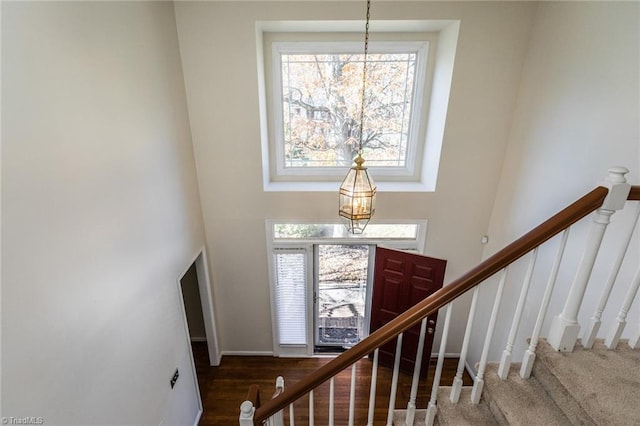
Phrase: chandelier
(358, 191)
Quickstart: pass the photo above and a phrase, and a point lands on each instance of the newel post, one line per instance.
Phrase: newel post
(565, 328)
(246, 413)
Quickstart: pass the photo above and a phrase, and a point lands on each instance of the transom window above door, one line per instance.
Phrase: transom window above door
(399, 233)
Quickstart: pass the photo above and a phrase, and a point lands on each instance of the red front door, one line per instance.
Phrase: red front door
(400, 281)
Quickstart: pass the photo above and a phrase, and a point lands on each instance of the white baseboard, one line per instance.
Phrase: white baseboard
(270, 353)
(472, 371)
(446, 355)
(197, 422)
(247, 353)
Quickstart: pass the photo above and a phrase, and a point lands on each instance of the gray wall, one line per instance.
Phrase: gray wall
(218, 47)
(576, 116)
(100, 214)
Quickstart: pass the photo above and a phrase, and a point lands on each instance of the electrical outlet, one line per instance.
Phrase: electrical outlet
(174, 379)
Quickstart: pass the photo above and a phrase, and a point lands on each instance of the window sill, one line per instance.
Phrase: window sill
(335, 186)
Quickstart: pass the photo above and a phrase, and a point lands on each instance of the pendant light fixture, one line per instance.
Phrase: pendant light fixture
(358, 191)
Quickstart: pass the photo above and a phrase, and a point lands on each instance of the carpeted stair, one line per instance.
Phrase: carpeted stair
(464, 412)
(585, 387)
(603, 384)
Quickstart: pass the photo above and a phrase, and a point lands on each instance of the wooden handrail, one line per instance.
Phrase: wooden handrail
(634, 194)
(254, 395)
(437, 300)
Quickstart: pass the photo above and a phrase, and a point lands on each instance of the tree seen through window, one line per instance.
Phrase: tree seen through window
(321, 100)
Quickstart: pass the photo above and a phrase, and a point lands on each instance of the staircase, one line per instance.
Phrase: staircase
(557, 379)
(596, 386)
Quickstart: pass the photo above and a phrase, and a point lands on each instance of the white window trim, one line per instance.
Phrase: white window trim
(448, 31)
(306, 245)
(420, 48)
(291, 350)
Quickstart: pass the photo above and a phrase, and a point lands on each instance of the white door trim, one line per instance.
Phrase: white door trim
(206, 300)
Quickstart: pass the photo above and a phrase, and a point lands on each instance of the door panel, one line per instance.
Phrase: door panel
(400, 281)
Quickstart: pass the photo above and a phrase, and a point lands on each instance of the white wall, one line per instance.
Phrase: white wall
(218, 47)
(100, 214)
(577, 115)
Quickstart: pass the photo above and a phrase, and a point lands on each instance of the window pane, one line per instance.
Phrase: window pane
(304, 230)
(395, 231)
(321, 100)
(291, 297)
(342, 281)
(283, 231)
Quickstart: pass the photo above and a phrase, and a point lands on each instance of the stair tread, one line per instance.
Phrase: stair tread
(520, 401)
(464, 412)
(399, 416)
(605, 383)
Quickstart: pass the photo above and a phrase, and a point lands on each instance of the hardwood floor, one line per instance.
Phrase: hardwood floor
(224, 388)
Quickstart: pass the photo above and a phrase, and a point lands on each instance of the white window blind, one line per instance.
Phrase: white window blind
(291, 294)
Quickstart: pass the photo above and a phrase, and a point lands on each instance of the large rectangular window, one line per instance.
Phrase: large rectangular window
(317, 98)
(318, 95)
(310, 81)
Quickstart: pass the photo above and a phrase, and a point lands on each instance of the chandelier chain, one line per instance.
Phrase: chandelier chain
(364, 77)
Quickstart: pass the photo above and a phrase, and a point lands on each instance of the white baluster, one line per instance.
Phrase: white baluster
(565, 328)
(331, 402)
(432, 409)
(311, 408)
(530, 354)
(352, 395)
(456, 386)
(291, 415)
(621, 320)
(593, 327)
(246, 413)
(278, 418)
(411, 406)
(394, 381)
(505, 362)
(634, 339)
(279, 390)
(372, 391)
(478, 383)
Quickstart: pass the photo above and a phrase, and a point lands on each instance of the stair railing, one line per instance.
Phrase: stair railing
(619, 193)
(614, 187)
(249, 406)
